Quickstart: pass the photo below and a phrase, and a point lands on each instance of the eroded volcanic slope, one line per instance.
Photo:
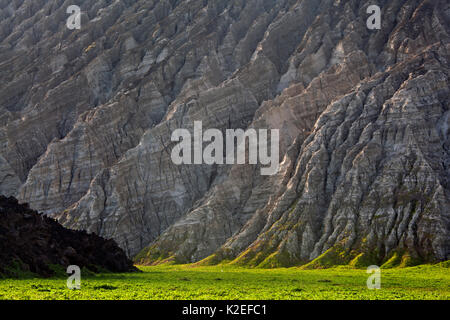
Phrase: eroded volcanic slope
(32, 242)
(86, 118)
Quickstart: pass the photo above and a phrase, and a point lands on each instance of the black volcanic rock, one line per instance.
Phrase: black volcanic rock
(35, 243)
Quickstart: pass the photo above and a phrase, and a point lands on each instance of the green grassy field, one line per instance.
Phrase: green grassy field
(225, 282)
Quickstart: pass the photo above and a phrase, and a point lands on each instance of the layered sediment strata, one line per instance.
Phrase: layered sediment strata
(86, 118)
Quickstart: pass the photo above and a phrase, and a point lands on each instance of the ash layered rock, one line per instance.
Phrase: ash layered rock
(174, 64)
(294, 225)
(371, 178)
(130, 196)
(86, 118)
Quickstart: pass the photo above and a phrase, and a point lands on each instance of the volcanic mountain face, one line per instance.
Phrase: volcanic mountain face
(33, 242)
(86, 119)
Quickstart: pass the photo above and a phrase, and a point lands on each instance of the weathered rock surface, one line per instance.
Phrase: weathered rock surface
(32, 242)
(86, 118)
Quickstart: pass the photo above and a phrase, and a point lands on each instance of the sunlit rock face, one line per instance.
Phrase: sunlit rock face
(86, 118)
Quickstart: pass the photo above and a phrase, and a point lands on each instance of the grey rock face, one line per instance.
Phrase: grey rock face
(86, 118)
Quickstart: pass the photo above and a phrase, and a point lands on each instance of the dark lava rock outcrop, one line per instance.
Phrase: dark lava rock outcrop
(32, 242)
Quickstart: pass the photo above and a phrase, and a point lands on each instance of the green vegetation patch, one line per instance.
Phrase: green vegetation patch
(232, 282)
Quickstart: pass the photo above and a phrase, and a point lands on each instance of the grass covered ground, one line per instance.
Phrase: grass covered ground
(225, 282)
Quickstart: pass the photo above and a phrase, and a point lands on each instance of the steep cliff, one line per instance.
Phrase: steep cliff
(87, 116)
